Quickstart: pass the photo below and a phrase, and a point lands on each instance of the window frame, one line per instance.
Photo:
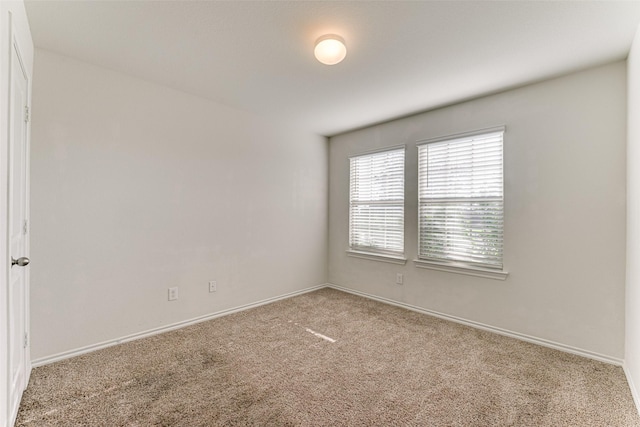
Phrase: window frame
(460, 266)
(370, 252)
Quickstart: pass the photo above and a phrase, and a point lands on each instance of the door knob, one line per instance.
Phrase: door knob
(21, 262)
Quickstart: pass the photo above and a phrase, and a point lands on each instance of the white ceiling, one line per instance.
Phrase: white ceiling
(403, 57)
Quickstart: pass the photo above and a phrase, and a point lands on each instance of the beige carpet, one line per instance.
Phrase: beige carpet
(328, 358)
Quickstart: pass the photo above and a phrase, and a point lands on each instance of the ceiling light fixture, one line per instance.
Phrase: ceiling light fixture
(330, 49)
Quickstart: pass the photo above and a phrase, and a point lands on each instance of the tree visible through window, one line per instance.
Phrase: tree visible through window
(460, 186)
(376, 202)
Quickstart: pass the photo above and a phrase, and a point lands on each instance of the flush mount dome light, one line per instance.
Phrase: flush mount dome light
(330, 49)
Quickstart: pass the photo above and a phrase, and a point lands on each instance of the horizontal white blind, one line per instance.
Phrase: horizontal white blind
(461, 200)
(376, 202)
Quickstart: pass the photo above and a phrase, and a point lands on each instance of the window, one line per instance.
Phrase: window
(460, 187)
(376, 202)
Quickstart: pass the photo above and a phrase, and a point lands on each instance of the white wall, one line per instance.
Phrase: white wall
(137, 188)
(632, 325)
(564, 213)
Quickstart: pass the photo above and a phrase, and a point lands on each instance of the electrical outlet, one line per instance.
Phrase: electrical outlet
(399, 278)
(173, 294)
(213, 286)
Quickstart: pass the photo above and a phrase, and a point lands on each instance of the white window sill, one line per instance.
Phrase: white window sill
(469, 271)
(393, 259)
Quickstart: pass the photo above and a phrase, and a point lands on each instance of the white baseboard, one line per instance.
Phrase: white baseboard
(632, 386)
(82, 350)
(535, 340)
(500, 331)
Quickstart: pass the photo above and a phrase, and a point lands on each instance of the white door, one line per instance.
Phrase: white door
(18, 228)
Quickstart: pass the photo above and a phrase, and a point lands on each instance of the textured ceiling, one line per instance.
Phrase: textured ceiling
(403, 57)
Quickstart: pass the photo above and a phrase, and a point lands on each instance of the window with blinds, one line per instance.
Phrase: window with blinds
(376, 202)
(460, 186)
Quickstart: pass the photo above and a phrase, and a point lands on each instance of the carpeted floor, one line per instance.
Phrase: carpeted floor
(328, 358)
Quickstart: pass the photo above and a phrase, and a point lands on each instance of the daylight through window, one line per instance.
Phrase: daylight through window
(376, 207)
(461, 200)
